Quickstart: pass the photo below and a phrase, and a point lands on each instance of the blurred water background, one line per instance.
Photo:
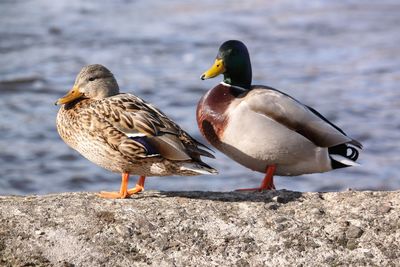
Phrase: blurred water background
(341, 57)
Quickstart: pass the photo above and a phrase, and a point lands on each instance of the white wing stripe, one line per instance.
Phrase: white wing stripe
(135, 134)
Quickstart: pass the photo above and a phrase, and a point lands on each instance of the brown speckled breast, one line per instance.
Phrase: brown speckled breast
(211, 113)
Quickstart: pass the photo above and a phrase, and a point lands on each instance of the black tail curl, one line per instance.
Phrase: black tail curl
(344, 150)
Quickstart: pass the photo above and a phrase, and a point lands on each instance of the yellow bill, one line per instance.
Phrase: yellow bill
(216, 69)
(70, 96)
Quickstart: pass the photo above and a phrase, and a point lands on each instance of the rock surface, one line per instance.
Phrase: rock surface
(278, 228)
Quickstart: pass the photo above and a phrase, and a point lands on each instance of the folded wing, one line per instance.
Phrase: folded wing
(292, 114)
(145, 131)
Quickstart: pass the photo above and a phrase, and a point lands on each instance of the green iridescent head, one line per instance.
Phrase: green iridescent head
(233, 61)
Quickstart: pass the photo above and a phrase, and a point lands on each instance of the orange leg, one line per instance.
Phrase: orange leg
(124, 192)
(267, 183)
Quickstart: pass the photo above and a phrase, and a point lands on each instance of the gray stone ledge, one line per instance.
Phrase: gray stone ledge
(277, 228)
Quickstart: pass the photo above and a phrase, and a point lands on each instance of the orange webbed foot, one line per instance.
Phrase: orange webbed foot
(266, 184)
(113, 195)
(124, 192)
(138, 188)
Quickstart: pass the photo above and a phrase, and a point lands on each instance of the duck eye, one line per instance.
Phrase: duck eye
(92, 79)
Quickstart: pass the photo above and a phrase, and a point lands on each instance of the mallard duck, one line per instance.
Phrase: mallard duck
(123, 133)
(265, 129)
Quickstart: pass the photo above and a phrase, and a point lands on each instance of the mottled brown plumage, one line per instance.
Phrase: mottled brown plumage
(123, 133)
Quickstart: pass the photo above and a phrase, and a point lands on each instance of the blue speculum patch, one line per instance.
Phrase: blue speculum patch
(151, 150)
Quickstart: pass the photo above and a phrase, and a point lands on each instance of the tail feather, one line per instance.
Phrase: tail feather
(356, 143)
(344, 155)
(203, 145)
(198, 167)
(343, 160)
(200, 152)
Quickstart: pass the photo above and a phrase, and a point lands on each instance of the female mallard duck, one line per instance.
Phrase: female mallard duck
(122, 133)
(264, 129)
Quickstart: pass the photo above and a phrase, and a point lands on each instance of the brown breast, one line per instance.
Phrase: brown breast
(211, 113)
